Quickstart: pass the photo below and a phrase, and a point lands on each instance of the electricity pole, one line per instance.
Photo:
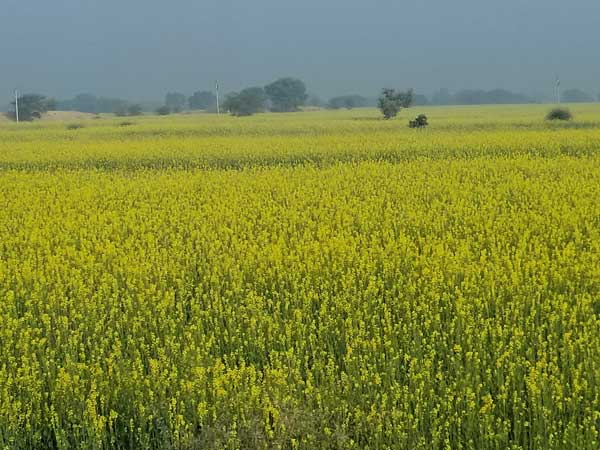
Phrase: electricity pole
(17, 105)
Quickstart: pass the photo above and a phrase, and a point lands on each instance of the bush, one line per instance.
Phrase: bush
(559, 114)
(419, 122)
(126, 123)
(75, 126)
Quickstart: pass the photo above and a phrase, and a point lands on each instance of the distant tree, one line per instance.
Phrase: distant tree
(64, 105)
(134, 110)
(314, 100)
(421, 100)
(502, 96)
(576, 96)
(336, 102)
(31, 106)
(202, 100)
(109, 105)
(391, 102)
(89, 103)
(442, 97)
(85, 103)
(163, 110)
(247, 102)
(347, 101)
(286, 94)
(51, 104)
(493, 97)
(175, 101)
(121, 111)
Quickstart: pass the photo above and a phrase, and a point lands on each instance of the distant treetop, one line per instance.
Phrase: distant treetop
(286, 94)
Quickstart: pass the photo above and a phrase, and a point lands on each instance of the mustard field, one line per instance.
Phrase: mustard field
(317, 280)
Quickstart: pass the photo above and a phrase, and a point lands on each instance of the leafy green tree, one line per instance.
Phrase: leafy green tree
(175, 101)
(391, 102)
(286, 94)
(32, 106)
(247, 102)
(202, 100)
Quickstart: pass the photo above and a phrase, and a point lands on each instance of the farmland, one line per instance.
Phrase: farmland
(302, 281)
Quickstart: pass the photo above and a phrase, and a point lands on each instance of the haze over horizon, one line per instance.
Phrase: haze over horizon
(143, 49)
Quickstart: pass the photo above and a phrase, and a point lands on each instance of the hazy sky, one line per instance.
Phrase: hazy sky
(140, 49)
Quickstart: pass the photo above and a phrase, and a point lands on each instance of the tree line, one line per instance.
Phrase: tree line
(463, 97)
(502, 96)
(286, 94)
(283, 95)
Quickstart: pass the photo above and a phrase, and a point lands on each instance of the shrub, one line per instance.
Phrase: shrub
(75, 126)
(559, 114)
(419, 122)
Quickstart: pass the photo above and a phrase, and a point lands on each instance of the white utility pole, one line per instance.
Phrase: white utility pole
(17, 105)
(217, 89)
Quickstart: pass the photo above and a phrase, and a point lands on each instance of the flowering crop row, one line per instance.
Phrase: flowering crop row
(449, 303)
